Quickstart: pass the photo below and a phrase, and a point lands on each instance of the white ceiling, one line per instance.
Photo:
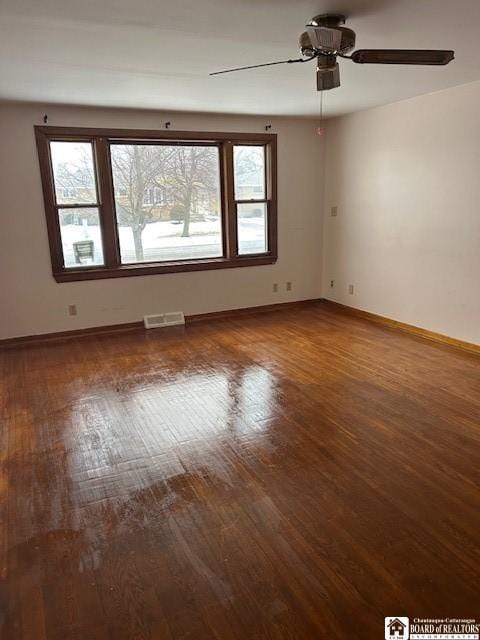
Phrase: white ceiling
(158, 53)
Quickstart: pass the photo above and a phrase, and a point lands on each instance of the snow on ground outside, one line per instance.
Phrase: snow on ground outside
(163, 240)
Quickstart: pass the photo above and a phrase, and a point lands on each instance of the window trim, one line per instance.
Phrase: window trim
(101, 140)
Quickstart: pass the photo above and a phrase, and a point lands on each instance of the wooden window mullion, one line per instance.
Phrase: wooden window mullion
(271, 195)
(230, 205)
(107, 203)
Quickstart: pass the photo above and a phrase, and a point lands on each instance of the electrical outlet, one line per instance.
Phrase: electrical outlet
(275, 288)
(350, 289)
(72, 309)
(334, 212)
(288, 286)
(332, 284)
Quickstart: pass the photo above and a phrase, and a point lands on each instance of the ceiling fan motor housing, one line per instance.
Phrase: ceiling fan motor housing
(320, 39)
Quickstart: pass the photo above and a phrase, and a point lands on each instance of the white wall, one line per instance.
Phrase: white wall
(33, 303)
(406, 180)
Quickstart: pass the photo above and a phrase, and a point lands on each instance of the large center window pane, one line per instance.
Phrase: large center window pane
(167, 201)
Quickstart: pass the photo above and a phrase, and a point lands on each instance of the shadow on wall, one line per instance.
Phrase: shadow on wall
(336, 190)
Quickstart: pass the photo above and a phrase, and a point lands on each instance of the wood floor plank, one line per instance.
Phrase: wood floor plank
(298, 474)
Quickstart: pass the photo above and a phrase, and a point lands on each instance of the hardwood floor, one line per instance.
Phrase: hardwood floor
(300, 474)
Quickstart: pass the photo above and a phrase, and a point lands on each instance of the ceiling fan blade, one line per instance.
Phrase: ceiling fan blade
(328, 78)
(256, 66)
(402, 56)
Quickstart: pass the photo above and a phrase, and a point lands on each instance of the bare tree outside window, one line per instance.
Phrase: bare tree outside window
(192, 177)
(136, 169)
(188, 176)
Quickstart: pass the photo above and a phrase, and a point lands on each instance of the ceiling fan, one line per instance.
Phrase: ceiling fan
(325, 39)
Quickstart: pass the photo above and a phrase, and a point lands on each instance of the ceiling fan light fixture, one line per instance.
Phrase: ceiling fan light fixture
(328, 78)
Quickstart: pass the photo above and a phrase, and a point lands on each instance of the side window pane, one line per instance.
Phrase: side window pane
(167, 201)
(249, 167)
(81, 237)
(252, 227)
(73, 172)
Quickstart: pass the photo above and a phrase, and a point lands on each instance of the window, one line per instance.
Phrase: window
(76, 203)
(122, 203)
(152, 195)
(148, 229)
(69, 193)
(251, 198)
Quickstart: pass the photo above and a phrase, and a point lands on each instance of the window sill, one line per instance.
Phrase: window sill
(125, 271)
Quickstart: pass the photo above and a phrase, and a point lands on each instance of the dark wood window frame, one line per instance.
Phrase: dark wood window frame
(101, 140)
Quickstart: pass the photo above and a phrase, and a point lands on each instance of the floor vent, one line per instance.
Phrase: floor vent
(164, 319)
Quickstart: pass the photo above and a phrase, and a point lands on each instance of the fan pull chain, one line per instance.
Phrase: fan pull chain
(321, 129)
